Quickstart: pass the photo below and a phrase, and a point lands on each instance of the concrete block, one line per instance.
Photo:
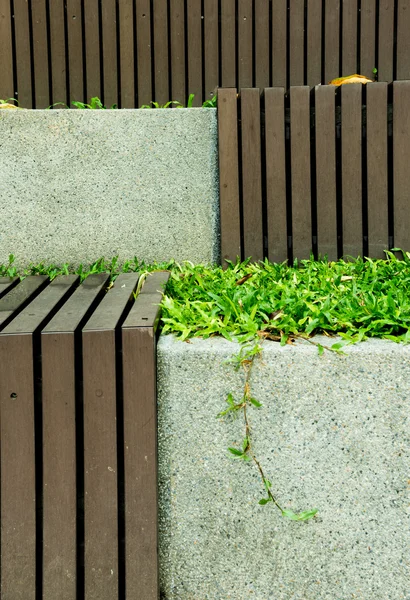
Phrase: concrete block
(76, 185)
(333, 434)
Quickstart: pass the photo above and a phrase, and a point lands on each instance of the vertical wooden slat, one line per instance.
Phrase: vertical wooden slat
(58, 53)
(349, 37)
(40, 54)
(386, 40)
(75, 52)
(228, 46)
(401, 153)
(300, 171)
(245, 49)
(23, 53)
(126, 28)
(262, 75)
(276, 174)
(279, 41)
(229, 174)
(92, 50)
(161, 42)
(377, 165)
(109, 33)
(403, 39)
(6, 53)
(326, 171)
(296, 41)
(352, 169)
(211, 48)
(143, 28)
(332, 36)
(177, 17)
(314, 42)
(368, 38)
(251, 174)
(195, 50)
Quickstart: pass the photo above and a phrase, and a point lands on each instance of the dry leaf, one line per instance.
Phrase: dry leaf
(350, 79)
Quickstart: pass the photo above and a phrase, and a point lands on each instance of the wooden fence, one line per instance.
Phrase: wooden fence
(78, 438)
(130, 52)
(322, 171)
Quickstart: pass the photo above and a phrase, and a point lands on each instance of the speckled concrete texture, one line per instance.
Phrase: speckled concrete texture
(77, 185)
(333, 433)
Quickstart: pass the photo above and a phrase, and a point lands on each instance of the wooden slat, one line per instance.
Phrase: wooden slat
(377, 165)
(143, 28)
(92, 50)
(296, 41)
(15, 300)
(126, 28)
(349, 37)
(314, 42)
(352, 169)
(100, 442)
(140, 449)
(6, 52)
(326, 171)
(228, 46)
(251, 174)
(368, 38)
(262, 75)
(23, 53)
(75, 50)
(401, 152)
(6, 284)
(109, 33)
(279, 41)
(245, 49)
(40, 54)
(177, 17)
(386, 40)
(332, 29)
(403, 39)
(300, 171)
(276, 174)
(229, 174)
(195, 50)
(162, 92)
(211, 48)
(58, 55)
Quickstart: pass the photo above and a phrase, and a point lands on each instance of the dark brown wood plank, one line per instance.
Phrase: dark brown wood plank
(23, 53)
(229, 174)
(377, 169)
(251, 174)
(332, 36)
(195, 50)
(40, 54)
(178, 91)
(326, 171)
(126, 28)
(18, 495)
(349, 37)
(262, 74)
(58, 57)
(314, 42)
(403, 39)
(109, 32)
(279, 41)
(6, 52)
(211, 48)
(92, 49)
(6, 284)
(401, 152)
(144, 44)
(12, 302)
(296, 41)
(145, 311)
(228, 45)
(300, 171)
(245, 48)
(352, 169)
(386, 40)
(113, 304)
(368, 38)
(75, 50)
(276, 174)
(162, 92)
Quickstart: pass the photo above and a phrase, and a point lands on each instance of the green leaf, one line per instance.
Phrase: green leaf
(235, 452)
(255, 402)
(264, 501)
(267, 484)
(320, 349)
(303, 516)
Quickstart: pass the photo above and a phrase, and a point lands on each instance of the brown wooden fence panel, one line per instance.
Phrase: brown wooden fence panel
(403, 39)
(92, 50)
(279, 43)
(332, 40)
(401, 153)
(349, 36)
(177, 50)
(195, 54)
(23, 53)
(228, 46)
(6, 52)
(314, 42)
(126, 50)
(296, 42)
(109, 35)
(262, 74)
(386, 41)
(245, 42)
(6, 284)
(211, 48)
(75, 50)
(144, 46)
(368, 38)
(58, 54)
(40, 53)
(161, 52)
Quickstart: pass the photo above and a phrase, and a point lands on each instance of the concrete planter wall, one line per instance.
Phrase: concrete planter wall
(333, 434)
(76, 185)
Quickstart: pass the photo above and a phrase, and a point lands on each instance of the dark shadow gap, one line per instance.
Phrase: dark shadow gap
(32, 69)
(170, 91)
(365, 216)
(101, 38)
(152, 37)
(240, 177)
(287, 44)
(305, 43)
(118, 46)
(376, 38)
(134, 33)
(359, 37)
(288, 170)
(186, 55)
(390, 164)
(395, 26)
(13, 50)
(313, 174)
(253, 44)
(270, 45)
(203, 49)
(341, 40)
(323, 43)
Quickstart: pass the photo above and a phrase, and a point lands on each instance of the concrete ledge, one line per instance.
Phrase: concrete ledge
(77, 185)
(333, 434)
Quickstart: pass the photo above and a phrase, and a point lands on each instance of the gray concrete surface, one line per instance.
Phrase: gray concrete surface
(78, 185)
(333, 433)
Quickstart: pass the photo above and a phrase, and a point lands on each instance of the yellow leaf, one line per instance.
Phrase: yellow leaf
(350, 79)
